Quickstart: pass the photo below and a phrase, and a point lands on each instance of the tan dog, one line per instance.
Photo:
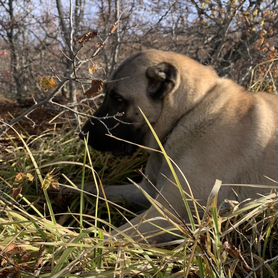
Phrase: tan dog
(211, 128)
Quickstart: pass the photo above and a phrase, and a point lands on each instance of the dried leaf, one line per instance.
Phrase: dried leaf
(87, 37)
(47, 83)
(93, 68)
(213, 196)
(95, 89)
(114, 28)
(30, 177)
(19, 178)
(50, 181)
(55, 184)
(13, 249)
(16, 192)
(22, 177)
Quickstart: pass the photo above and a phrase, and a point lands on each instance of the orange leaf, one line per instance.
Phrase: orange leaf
(47, 83)
(93, 69)
(114, 28)
(20, 177)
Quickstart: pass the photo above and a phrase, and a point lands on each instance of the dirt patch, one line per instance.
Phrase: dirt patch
(34, 123)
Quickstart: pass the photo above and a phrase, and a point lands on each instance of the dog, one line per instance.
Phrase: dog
(209, 126)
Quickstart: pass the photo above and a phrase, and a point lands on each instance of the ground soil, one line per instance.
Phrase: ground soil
(38, 120)
(43, 118)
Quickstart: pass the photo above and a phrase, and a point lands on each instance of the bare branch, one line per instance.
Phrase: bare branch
(33, 107)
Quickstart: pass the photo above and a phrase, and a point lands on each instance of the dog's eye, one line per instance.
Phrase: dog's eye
(116, 97)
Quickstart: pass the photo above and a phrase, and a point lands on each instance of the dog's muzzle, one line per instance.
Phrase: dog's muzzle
(110, 135)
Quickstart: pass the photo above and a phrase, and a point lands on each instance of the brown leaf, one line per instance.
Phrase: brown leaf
(95, 89)
(87, 37)
(20, 177)
(16, 192)
(114, 28)
(55, 184)
(13, 249)
(10, 272)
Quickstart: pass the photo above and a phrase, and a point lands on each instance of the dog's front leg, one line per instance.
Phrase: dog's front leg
(149, 226)
(128, 194)
(156, 224)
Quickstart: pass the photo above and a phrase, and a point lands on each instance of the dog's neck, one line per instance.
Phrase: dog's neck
(172, 118)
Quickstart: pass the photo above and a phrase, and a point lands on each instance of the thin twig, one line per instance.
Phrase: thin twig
(260, 265)
(33, 107)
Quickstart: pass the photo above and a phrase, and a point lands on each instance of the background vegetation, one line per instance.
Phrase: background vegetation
(54, 57)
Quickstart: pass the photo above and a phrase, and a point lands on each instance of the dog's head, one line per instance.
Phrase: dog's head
(147, 80)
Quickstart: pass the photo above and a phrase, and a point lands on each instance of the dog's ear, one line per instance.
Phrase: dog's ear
(162, 78)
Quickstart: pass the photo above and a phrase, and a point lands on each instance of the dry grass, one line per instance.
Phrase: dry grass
(45, 233)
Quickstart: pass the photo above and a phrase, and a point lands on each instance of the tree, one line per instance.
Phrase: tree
(13, 33)
(70, 26)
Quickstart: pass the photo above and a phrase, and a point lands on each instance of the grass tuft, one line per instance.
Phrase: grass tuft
(47, 232)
